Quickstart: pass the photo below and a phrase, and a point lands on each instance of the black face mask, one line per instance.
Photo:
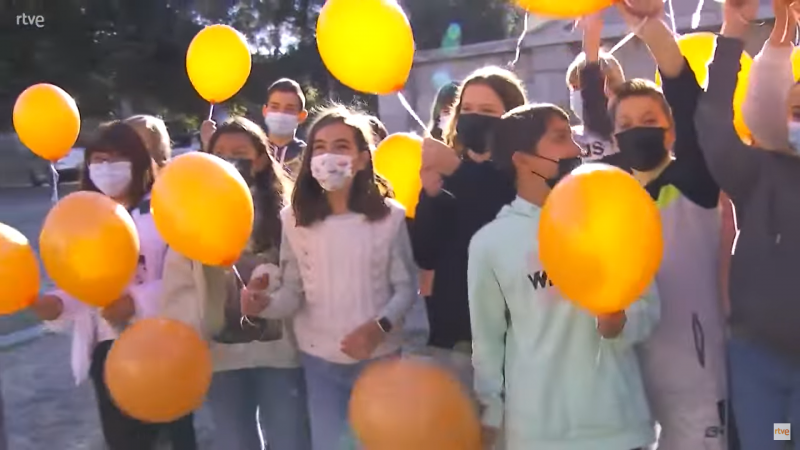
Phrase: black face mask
(565, 167)
(473, 131)
(245, 168)
(642, 148)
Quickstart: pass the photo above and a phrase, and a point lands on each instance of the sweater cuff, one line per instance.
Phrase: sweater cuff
(492, 415)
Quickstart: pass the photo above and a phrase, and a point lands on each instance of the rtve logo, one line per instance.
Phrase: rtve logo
(782, 431)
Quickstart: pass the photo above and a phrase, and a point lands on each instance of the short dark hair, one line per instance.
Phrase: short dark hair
(368, 192)
(520, 130)
(290, 86)
(639, 87)
(271, 184)
(120, 138)
(444, 98)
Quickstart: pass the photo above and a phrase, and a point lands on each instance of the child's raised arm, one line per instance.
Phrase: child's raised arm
(769, 83)
(733, 164)
(592, 81)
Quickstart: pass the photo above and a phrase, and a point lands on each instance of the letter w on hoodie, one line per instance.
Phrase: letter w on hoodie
(541, 367)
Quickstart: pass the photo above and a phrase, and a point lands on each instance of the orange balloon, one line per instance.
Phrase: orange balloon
(218, 62)
(203, 208)
(564, 9)
(399, 158)
(19, 271)
(158, 370)
(600, 238)
(403, 404)
(698, 48)
(796, 63)
(90, 247)
(47, 121)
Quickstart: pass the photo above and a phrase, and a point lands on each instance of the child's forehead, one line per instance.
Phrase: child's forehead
(640, 104)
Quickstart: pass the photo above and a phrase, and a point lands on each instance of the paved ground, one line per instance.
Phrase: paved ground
(43, 407)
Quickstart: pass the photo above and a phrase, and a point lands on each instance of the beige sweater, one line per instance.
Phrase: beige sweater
(197, 295)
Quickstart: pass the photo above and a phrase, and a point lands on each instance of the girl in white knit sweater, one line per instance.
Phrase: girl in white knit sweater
(347, 275)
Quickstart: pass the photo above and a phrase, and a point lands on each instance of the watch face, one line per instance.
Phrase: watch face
(385, 324)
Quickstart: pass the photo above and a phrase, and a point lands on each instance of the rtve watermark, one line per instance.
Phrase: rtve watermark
(30, 20)
(783, 431)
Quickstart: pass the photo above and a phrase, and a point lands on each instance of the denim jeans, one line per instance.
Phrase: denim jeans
(329, 387)
(248, 404)
(765, 390)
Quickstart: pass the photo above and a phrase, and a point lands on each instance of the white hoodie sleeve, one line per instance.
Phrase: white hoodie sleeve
(487, 308)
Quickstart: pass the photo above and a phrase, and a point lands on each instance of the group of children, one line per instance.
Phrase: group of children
(335, 273)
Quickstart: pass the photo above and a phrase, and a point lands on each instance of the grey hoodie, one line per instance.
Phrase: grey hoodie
(765, 189)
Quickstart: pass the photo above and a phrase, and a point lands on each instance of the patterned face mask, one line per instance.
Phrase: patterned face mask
(331, 170)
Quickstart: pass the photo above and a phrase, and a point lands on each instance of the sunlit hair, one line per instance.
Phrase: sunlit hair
(155, 136)
(119, 138)
(640, 87)
(504, 83)
(368, 190)
(608, 63)
(272, 185)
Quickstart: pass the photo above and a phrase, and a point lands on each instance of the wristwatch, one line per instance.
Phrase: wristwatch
(385, 324)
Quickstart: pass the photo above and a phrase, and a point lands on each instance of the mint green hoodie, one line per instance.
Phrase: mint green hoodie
(541, 368)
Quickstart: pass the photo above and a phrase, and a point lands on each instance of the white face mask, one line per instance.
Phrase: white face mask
(281, 124)
(794, 136)
(331, 170)
(443, 120)
(576, 103)
(112, 178)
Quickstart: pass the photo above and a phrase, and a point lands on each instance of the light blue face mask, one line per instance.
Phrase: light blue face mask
(794, 136)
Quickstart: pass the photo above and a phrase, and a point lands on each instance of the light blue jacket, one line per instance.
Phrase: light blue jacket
(541, 368)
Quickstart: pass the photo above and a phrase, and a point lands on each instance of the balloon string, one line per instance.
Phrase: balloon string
(210, 111)
(244, 319)
(697, 13)
(54, 174)
(672, 16)
(407, 106)
(522, 35)
(628, 37)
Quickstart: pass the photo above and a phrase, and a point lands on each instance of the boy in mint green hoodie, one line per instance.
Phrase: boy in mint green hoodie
(552, 375)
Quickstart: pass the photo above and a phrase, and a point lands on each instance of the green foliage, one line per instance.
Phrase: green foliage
(128, 56)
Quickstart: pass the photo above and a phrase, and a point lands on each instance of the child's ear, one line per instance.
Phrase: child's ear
(302, 116)
(264, 111)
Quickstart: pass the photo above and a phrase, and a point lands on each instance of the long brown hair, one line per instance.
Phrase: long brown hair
(504, 83)
(120, 138)
(368, 191)
(271, 183)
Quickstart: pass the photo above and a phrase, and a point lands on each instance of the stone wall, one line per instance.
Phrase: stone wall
(546, 53)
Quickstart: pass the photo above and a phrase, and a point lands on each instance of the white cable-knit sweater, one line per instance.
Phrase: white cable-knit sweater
(341, 273)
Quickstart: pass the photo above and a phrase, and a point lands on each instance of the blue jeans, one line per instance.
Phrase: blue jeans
(329, 387)
(765, 390)
(279, 396)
